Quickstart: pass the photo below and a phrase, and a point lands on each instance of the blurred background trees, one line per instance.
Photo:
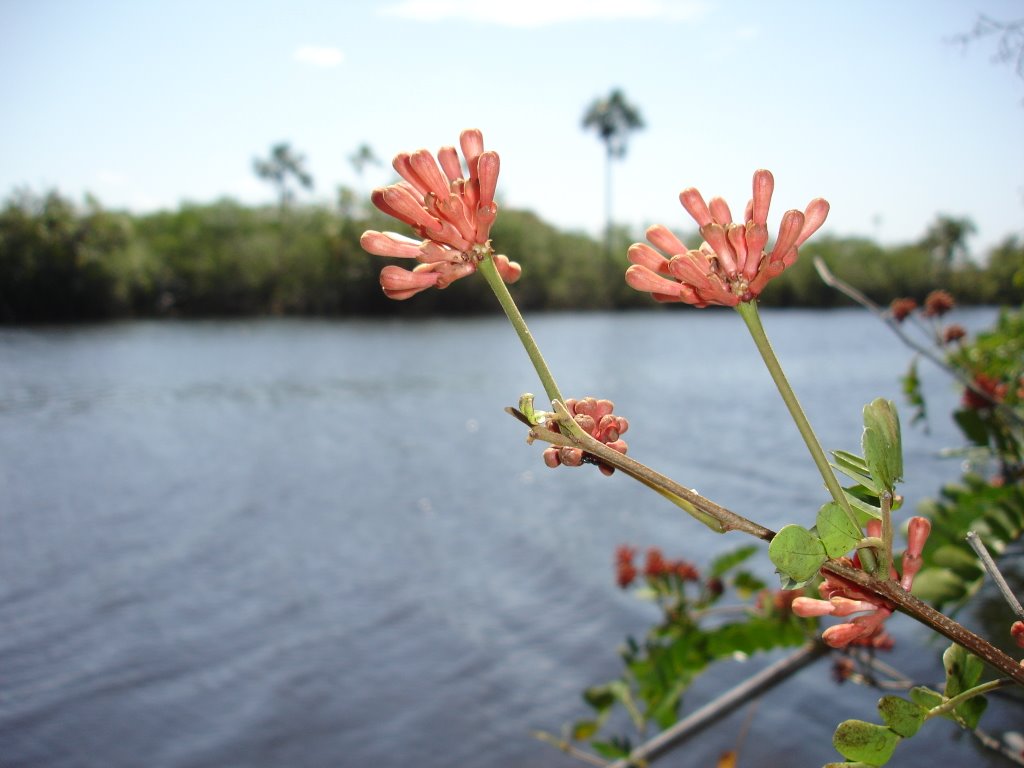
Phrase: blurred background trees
(63, 261)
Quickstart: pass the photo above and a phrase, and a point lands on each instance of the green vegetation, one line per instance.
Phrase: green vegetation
(61, 261)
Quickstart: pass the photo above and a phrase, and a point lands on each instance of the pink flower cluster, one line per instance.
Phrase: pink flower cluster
(842, 598)
(451, 213)
(596, 419)
(731, 264)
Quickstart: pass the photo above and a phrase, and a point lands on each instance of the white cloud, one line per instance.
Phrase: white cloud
(539, 13)
(319, 55)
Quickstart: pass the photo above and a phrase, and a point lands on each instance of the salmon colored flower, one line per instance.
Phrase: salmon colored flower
(988, 391)
(731, 264)
(937, 303)
(901, 309)
(594, 417)
(451, 214)
(842, 598)
(1017, 632)
(953, 333)
(625, 571)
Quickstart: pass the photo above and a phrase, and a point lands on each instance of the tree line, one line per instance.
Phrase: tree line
(61, 261)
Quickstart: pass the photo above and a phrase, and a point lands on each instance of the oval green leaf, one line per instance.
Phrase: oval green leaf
(838, 533)
(904, 717)
(881, 443)
(797, 553)
(865, 742)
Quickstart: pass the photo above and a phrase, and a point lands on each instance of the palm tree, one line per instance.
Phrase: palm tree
(362, 157)
(946, 239)
(613, 118)
(282, 165)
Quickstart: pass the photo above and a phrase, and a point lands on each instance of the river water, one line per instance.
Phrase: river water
(312, 543)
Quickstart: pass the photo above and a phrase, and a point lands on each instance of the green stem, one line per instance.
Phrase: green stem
(490, 273)
(748, 311)
(951, 704)
(885, 567)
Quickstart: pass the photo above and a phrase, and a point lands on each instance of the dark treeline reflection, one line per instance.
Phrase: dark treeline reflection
(61, 261)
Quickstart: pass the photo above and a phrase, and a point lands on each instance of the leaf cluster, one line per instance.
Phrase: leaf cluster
(869, 744)
(993, 507)
(691, 636)
(798, 552)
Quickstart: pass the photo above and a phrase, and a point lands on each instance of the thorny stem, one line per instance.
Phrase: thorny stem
(748, 311)
(515, 317)
(906, 603)
(993, 570)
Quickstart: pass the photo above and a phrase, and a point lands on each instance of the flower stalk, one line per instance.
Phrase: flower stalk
(490, 272)
(748, 311)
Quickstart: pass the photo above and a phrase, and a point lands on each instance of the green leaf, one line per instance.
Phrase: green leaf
(970, 711)
(726, 562)
(584, 729)
(864, 501)
(963, 670)
(938, 585)
(613, 750)
(838, 534)
(883, 450)
(925, 697)
(747, 584)
(797, 553)
(957, 560)
(972, 425)
(599, 697)
(866, 742)
(904, 717)
(856, 469)
(912, 391)
(847, 765)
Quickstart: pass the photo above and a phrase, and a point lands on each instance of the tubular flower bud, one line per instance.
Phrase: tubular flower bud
(594, 417)
(842, 598)
(1017, 632)
(452, 215)
(900, 309)
(937, 303)
(625, 571)
(917, 534)
(731, 265)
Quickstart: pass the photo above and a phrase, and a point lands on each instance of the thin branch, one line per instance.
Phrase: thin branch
(993, 570)
(724, 705)
(848, 290)
(570, 749)
(706, 511)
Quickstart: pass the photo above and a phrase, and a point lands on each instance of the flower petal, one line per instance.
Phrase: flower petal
(764, 185)
(401, 283)
(695, 206)
(390, 244)
(663, 238)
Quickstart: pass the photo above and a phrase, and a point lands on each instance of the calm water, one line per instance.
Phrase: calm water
(301, 543)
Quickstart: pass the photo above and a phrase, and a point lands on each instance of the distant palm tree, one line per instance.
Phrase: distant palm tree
(947, 240)
(283, 165)
(362, 157)
(613, 118)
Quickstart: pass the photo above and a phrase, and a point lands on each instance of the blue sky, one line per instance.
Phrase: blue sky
(867, 104)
